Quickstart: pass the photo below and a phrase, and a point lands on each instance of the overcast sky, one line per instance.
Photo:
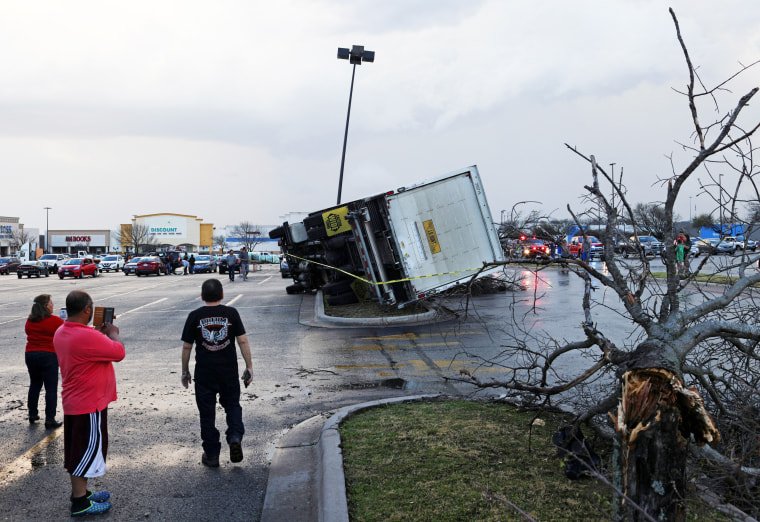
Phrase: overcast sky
(235, 110)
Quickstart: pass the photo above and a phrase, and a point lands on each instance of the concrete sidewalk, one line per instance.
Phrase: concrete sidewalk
(306, 481)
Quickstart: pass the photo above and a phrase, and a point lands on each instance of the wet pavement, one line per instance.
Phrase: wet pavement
(302, 370)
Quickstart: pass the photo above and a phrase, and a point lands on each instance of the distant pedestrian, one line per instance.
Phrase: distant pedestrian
(686, 251)
(213, 329)
(231, 263)
(185, 264)
(679, 255)
(244, 259)
(41, 360)
(191, 263)
(86, 356)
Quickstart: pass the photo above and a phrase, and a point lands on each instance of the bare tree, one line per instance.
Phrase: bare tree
(137, 236)
(703, 221)
(249, 233)
(694, 356)
(651, 218)
(20, 237)
(220, 241)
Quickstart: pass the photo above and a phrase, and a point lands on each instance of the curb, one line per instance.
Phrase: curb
(326, 320)
(331, 481)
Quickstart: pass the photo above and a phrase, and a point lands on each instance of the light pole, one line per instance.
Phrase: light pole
(690, 209)
(720, 201)
(356, 55)
(47, 229)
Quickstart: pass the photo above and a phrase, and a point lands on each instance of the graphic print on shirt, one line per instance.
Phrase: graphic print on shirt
(214, 330)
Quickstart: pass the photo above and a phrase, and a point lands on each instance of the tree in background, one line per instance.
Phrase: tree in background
(702, 221)
(136, 236)
(248, 233)
(691, 362)
(220, 242)
(652, 219)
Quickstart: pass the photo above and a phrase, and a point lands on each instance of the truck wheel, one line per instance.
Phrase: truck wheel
(294, 289)
(342, 299)
(338, 287)
(277, 233)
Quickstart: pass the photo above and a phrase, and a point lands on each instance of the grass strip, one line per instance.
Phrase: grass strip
(465, 460)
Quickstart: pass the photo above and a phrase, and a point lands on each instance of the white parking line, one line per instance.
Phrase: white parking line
(143, 306)
(264, 280)
(235, 299)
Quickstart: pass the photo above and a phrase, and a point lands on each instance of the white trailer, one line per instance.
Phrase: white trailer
(405, 243)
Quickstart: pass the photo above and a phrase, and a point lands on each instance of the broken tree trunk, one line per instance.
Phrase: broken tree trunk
(656, 420)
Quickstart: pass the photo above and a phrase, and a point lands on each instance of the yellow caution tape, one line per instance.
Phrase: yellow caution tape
(382, 282)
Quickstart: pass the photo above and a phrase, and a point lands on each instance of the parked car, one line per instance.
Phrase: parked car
(53, 261)
(111, 262)
(204, 264)
(651, 245)
(625, 247)
(535, 249)
(9, 264)
(78, 267)
(130, 266)
(715, 245)
(150, 265)
(743, 243)
(32, 268)
(284, 268)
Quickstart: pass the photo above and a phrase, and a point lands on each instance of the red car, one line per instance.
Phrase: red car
(150, 265)
(78, 268)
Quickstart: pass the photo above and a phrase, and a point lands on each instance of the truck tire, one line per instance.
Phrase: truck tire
(338, 287)
(316, 233)
(277, 233)
(294, 289)
(342, 299)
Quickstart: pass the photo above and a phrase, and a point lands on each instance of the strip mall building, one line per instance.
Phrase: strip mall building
(167, 232)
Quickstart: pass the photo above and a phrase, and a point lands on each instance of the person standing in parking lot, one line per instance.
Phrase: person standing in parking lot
(191, 263)
(86, 356)
(231, 262)
(213, 329)
(41, 360)
(244, 259)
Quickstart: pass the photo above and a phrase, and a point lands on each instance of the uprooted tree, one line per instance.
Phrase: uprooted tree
(691, 358)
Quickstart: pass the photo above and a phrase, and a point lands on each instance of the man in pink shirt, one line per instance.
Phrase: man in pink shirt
(86, 356)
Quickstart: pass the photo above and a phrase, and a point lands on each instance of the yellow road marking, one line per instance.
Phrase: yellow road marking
(23, 465)
(414, 336)
(368, 366)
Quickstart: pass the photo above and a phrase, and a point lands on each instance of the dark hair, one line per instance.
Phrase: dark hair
(39, 308)
(211, 290)
(76, 301)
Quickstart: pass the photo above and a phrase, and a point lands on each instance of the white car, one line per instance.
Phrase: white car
(111, 262)
(53, 261)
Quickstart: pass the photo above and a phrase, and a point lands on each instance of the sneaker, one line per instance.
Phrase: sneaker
(211, 462)
(236, 451)
(100, 496)
(52, 424)
(95, 508)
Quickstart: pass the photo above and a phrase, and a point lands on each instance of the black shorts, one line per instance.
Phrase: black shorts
(85, 443)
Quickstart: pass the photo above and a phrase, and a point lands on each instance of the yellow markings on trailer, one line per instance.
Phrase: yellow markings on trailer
(374, 347)
(335, 221)
(432, 237)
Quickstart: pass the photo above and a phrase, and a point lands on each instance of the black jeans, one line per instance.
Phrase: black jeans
(43, 370)
(208, 384)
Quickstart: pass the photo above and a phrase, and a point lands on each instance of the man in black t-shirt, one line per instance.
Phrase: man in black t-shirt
(213, 329)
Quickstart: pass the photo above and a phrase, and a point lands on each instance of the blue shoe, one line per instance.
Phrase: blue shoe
(100, 496)
(95, 508)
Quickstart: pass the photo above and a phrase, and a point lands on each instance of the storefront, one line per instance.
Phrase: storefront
(73, 241)
(13, 235)
(156, 232)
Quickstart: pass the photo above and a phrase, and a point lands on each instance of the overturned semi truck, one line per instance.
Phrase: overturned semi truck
(396, 247)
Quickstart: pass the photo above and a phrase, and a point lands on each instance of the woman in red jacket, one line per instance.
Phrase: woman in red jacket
(41, 360)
